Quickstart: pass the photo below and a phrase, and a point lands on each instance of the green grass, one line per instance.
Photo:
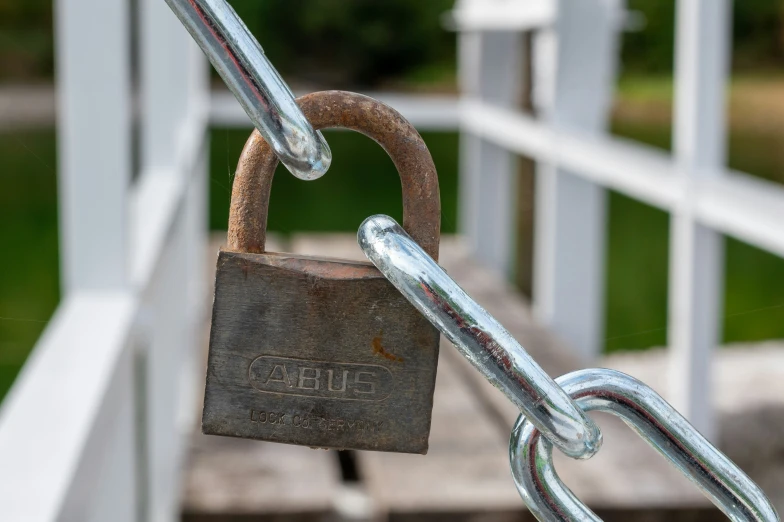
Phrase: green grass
(636, 275)
(29, 285)
(659, 88)
(638, 253)
(645, 88)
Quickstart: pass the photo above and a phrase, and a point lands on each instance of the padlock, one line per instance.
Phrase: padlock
(316, 351)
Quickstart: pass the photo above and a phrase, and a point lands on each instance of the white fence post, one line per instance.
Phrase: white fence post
(80, 372)
(174, 108)
(696, 252)
(570, 210)
(196, 237)
(94, 141)
(491, 66)
(469, 70)
(164, 62)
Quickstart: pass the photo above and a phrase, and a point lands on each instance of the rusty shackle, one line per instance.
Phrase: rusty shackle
(384, 125)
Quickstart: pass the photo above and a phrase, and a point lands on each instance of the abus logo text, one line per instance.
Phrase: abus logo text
(329, 380)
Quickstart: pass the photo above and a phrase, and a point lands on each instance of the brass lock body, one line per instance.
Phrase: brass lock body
(316, 351)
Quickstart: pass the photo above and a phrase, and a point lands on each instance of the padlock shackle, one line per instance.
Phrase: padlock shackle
(384, 125)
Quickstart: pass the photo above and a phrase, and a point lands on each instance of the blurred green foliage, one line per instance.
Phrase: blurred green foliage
(29, 273)
(26, 40)
(758, 36)
(651, 49)
(758, 29)
(377, 42)
(334, 42)
(344, 43)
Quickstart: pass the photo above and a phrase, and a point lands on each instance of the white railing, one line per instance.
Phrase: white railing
(96, 425)
(576, 51)
(432, 112)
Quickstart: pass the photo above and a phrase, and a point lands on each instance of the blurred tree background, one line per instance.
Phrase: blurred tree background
(354, 43)
(371, 43)
(26, 40)
(401, 44)
(340, 43)
(758, 30)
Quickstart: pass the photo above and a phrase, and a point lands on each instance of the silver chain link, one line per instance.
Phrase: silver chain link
(479, 337)
(657, 422)
(553, 413)
(268, 101)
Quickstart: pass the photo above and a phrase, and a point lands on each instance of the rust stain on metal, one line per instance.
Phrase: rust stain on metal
(245, 268)
(378, 349)
(381, 123)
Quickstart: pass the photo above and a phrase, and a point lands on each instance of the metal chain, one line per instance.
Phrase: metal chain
(268, 101)
(553, 413)
(479, 337)
(657, 422)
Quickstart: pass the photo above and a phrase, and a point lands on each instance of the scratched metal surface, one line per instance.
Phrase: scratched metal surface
(346, 110)
(317, 353)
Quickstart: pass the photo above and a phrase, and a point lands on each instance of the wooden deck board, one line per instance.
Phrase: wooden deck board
(466, 468)
(466, 471)
(238, 476)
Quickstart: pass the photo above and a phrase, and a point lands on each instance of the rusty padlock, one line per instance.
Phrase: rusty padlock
(315, 351)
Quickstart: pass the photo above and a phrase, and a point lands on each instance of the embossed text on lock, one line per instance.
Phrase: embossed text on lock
(323, 379)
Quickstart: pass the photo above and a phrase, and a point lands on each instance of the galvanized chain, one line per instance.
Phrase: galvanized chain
(553, 413)
(654, 420)
(479, 337)
(268, 101)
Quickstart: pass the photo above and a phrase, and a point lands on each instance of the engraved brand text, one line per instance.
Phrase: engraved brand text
(329, 380)
(312, 422)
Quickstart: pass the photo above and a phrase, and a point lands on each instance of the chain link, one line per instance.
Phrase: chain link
(268, 101)
(656, 421)
(479, 337)
(554, 413)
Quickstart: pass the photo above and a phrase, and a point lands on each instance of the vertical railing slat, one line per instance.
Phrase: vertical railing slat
(489, 172)
(94, 141)
(174, 85)
(196, 232)
(569, 210)
(469, 47)
(696, 252)
(165, 83)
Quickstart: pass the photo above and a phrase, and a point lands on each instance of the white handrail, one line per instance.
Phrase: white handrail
(424, 111)
(73, 397)
(734, 203)
(96, 426)
(501, 15)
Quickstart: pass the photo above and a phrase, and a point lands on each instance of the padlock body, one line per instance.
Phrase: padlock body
(317, 352)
